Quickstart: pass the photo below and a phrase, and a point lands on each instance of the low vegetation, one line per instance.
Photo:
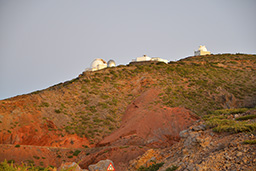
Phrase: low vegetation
(225, 123)
(6, 166)
(153, 167)
(229, 111)
(246, 117)
(172, 168)
(250, 141)
(76, 152)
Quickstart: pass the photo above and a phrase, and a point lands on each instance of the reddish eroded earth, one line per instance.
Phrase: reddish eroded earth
(42, 135)
(145, 122)
(22, 123)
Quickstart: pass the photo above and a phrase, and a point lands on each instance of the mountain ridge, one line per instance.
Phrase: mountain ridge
(82, 112)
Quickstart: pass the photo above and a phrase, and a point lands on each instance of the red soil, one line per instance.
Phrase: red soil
(26, 154)
(23, 124)
(151, 124)
(42, 135)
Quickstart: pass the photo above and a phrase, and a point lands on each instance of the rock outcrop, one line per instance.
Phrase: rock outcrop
(101, 165)
(71, 166)
(147, 159)
(201, 149)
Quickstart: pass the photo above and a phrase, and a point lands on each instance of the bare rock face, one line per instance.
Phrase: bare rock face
(195, 136)
(101, 165)
(201, 149)
(148, 158)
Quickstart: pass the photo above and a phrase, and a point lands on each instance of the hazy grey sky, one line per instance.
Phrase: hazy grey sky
(44, 42)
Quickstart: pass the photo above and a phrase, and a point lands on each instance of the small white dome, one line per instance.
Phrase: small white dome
(98, 62)
(202, 48)
(111, 63)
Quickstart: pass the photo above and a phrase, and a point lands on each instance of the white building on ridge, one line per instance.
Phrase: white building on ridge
(147, 58)
(201, 51)
(111, 63)
(142, 58)
(98, 64)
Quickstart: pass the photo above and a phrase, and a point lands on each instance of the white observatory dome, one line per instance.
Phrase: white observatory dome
(97, 62)
(111, 63)
(202, 48)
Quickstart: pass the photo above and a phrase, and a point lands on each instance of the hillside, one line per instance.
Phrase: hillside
(135, 106)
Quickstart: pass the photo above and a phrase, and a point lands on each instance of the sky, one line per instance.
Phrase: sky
(45, 42)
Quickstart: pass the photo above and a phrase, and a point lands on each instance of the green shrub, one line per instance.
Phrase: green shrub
(127, 146)
(97, 80)
(172, 168)
(91, 108)
(111, 128)
(114, 101)
(246, 117)
(44, 104)
(113, 73)
(153, 167)
(86, 80)
(30, 162)
(110, 118)
(96, 119)
(103, 96)
(221, 124)
(229, 111)
(86, 101)
(103, 105)
(5, 166)
(10, 161)
(76, 152)
(249, 141)
(161, 63)
(57, 111)
(235, 127)
(36, 157)
(17, 146)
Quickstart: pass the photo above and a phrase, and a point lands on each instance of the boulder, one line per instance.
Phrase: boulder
(71, 166)
(101, 165)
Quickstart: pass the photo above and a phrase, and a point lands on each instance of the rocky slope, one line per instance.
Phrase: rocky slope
(201, 148)
(124, 110)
